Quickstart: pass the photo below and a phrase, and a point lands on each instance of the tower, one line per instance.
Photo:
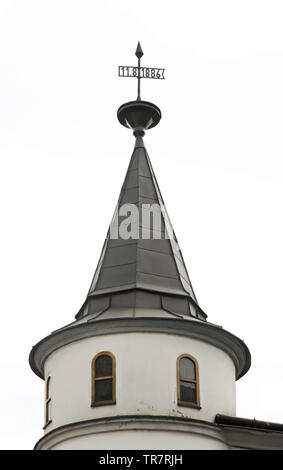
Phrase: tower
(140, 367)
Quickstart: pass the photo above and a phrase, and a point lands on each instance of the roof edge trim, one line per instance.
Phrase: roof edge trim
(207, 332)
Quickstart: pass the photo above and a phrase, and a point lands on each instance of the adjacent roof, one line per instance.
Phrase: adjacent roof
(235, 421)
(250, 434)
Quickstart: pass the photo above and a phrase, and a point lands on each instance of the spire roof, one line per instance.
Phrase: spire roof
(153, 263)
(141, 265)
(141, 253)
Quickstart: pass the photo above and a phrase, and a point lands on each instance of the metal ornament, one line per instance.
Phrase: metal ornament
(140, 72)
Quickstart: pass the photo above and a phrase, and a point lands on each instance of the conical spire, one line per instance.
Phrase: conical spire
(141, 252)
(141, 266)
(149, 261)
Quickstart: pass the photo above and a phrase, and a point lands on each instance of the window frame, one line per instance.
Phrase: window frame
(184, 379)
(47, 419)
(95, 379)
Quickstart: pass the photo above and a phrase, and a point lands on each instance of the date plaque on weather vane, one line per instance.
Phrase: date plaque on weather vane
(140, 72)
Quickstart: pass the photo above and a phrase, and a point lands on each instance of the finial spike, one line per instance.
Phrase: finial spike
(140, 72)
(139, 52)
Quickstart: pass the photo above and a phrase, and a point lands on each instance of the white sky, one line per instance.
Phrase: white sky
(217, 154)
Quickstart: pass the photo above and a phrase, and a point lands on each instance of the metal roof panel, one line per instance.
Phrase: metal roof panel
(150, 262)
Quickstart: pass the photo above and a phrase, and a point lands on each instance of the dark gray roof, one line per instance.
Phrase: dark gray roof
(154, 264)
(226, 420)
(250, 434)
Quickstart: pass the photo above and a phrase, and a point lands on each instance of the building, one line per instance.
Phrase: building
(141, 367)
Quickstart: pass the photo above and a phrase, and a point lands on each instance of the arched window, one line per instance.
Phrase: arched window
(47, 402)
(103, 386)
(187, 381)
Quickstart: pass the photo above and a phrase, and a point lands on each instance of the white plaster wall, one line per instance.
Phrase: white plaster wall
(135, 440)
(146, 378)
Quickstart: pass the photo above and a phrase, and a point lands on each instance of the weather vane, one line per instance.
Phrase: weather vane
(140, 72)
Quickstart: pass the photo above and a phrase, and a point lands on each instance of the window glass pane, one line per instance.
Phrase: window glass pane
(187, 368)
(103, 366)
(103, 390)
(188, 392)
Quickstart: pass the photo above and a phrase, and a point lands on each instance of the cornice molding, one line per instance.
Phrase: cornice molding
(128, 423)
(242, 438)
(203, 331)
